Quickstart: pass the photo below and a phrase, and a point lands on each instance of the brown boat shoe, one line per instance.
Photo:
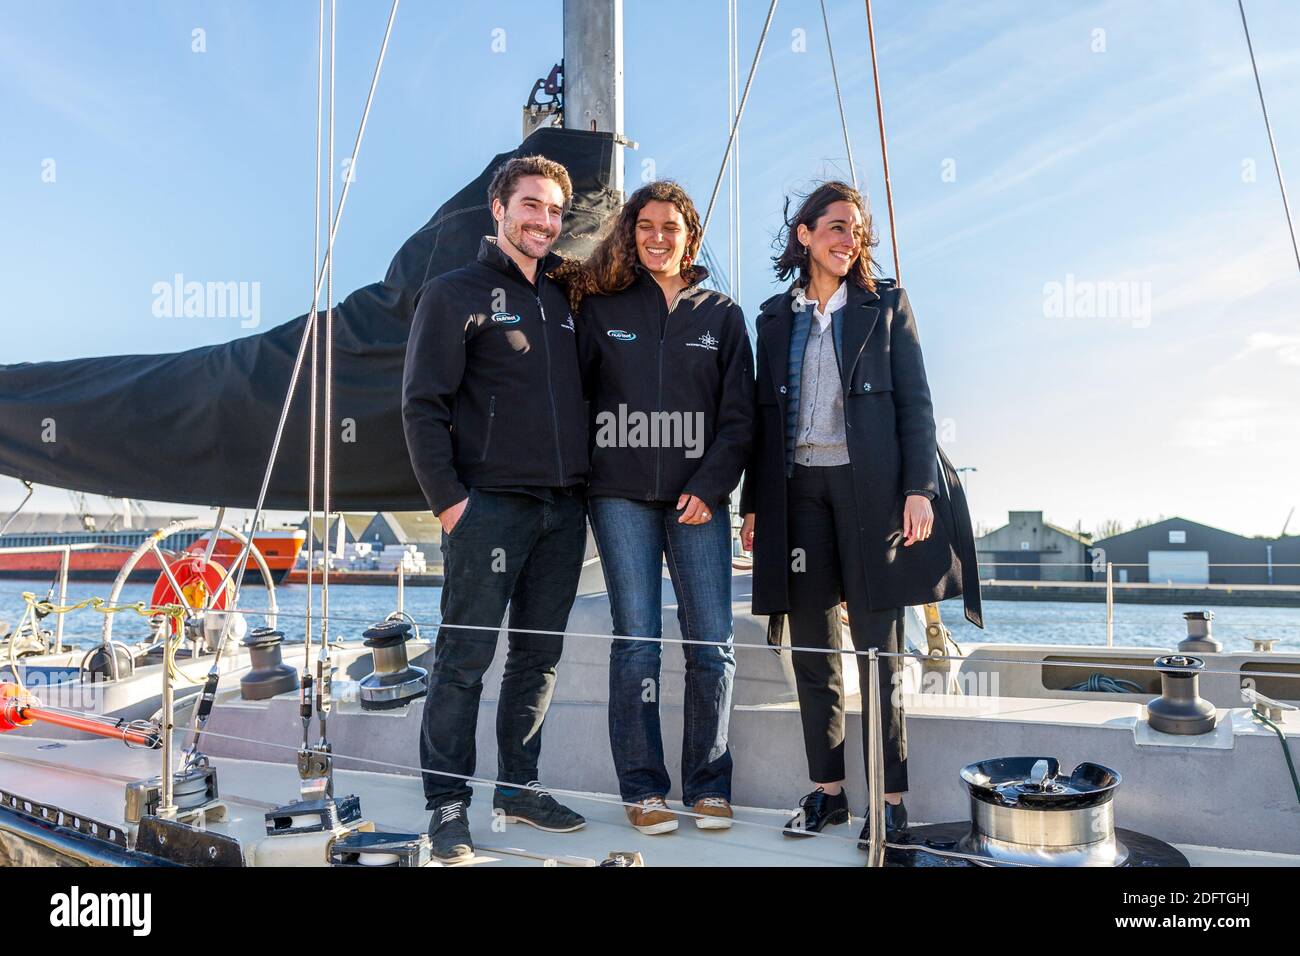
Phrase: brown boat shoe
(714, 813)
(651, 815)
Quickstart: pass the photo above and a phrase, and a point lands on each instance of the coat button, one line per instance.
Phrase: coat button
(866, 387)
(782, 390)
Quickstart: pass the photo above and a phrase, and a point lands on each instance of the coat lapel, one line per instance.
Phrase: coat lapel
(860, 317)
(775, 334)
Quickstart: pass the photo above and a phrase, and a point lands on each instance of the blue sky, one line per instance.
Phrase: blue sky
(1034, 146)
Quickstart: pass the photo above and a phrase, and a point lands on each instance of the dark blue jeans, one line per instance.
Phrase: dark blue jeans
(634, 538)
(506, 549)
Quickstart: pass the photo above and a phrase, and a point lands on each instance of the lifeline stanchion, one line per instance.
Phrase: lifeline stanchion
(167, 805)
(875, 766)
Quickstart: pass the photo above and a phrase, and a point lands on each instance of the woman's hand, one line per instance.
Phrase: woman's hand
(747, 532)
(918, 519)
(697, 512)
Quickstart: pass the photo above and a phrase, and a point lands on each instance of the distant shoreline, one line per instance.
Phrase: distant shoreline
(1256, 595)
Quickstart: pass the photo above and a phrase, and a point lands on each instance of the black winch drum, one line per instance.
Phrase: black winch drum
(394, 682)
(1180, 709)
(268, 676)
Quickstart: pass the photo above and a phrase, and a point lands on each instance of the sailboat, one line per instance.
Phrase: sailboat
(1020, 755)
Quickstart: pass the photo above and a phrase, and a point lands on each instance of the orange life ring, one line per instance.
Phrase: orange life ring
(197, 579)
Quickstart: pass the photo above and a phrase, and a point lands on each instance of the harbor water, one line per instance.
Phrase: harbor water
(355, 607)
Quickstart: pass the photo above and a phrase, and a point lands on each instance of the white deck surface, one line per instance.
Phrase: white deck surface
(90, 776)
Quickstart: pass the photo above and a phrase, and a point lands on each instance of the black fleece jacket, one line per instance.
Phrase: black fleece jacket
(671, 391)
(491, 391)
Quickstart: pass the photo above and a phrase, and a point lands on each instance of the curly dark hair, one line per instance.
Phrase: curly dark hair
(792, 261)
(611, 267)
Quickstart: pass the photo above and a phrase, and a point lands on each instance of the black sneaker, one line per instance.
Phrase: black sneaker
(536, 807)
(449, 838)
(818, 810)
(895, 824)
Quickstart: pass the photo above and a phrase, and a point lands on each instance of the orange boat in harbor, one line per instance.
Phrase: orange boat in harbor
(98, 555)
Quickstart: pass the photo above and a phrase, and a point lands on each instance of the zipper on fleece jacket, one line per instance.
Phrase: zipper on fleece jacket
(550, 390)
(663, 334)
(492, 414)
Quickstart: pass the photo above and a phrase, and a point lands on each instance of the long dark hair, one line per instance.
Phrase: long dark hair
(793, 260)
(611, 267)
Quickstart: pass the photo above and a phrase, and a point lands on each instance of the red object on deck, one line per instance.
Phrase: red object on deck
(13, 704)
(20, 709)
(197, 580)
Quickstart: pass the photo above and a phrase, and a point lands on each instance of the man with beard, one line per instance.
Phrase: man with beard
(495, 425)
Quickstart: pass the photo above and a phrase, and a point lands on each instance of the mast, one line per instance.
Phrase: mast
(593, 71)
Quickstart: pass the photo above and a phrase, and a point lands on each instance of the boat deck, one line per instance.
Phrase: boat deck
(89, 777)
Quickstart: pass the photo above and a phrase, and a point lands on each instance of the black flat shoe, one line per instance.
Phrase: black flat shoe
(449, 837)
(816, 811)
(537, 808)
(895, 824)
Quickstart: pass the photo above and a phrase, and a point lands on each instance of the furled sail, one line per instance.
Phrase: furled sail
(196, 427)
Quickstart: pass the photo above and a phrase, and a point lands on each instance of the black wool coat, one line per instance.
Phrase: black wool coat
(889, 425)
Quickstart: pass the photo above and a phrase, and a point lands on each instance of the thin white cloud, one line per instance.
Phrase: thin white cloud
(1286, 348)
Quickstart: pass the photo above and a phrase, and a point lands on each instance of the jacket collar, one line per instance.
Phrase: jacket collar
(781, 304)
(493, 256)
(859, 321)
(643, 275)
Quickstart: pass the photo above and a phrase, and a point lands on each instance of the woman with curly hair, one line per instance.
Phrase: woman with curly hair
(668, 369)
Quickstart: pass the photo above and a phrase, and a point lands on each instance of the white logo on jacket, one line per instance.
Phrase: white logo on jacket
(705, 341)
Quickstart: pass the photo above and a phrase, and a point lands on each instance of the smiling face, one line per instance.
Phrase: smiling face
(661, 237)
(530, 221)
(834, 241)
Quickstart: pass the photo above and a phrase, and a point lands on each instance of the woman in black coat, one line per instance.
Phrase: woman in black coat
(843, 500)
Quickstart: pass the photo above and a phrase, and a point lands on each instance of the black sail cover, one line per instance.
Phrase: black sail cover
(196, 427)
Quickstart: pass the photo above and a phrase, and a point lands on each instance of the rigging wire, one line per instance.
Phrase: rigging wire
(314, 377)
(731, 114)
(740, 111)
(322, 663)
(241, 563)
(735, 151)
(884, 149)
(14, 514)
(839, 99)
(587, 795)
(1277, 163)
(145, 610)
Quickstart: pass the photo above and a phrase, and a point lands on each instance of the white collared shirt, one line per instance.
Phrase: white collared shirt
(837, 300)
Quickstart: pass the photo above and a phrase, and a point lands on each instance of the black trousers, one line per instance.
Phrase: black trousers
(826, 567)
(506, 549)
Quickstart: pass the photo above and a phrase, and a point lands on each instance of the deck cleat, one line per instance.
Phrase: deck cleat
(394, 682)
